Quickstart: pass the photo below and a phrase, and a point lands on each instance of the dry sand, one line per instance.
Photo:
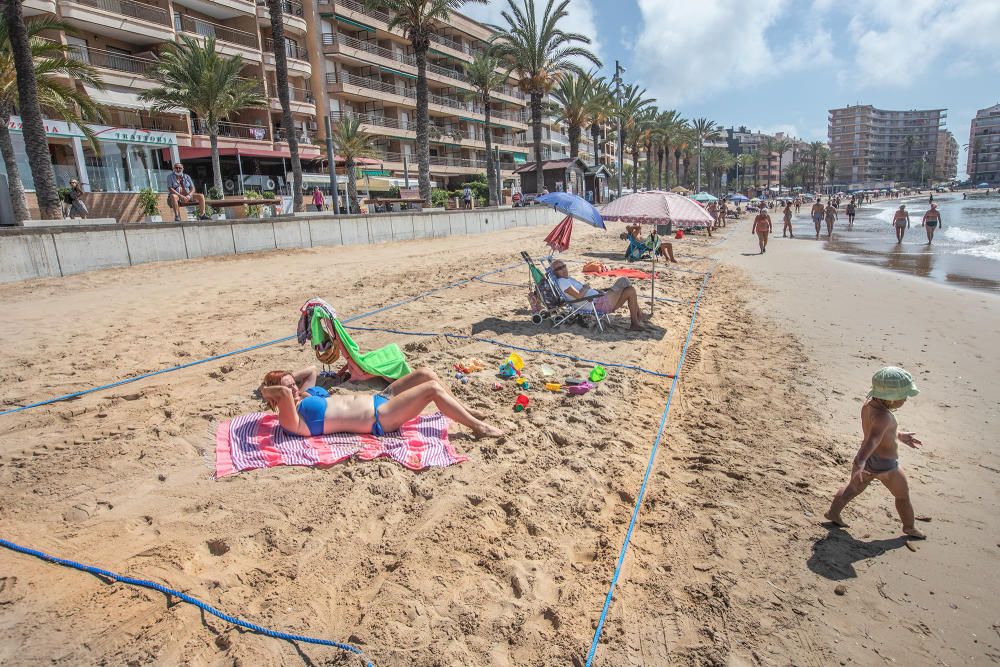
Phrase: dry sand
(504, 560)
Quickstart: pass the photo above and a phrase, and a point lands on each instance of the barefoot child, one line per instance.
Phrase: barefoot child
(877, 458)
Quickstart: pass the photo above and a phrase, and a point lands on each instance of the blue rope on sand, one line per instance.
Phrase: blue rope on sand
(645, 479)
(144, 583)
(494, 341)
(136, 378)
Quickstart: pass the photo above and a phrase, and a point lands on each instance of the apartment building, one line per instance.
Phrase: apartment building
(984, 147)
(342, 60)
(874, 147)
(739, 141)
(555, 139)
(369, 72)
(946, 167)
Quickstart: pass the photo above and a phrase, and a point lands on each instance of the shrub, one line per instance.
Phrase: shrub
(439, 198)
(253, 210)
(149, 202)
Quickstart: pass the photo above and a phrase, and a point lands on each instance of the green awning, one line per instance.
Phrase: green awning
(472, 120)
(443, 54)
(520, 158)
(354, 23)
(389, 70)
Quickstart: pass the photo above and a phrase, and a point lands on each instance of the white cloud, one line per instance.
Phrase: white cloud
(579, 19)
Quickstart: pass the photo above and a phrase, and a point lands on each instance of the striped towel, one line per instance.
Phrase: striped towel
(256, 440)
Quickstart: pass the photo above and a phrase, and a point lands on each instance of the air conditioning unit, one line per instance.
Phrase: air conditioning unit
(312, 125)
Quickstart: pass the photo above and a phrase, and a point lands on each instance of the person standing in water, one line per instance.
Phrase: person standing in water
(931, 221)
(901, 222)
(817, 214)
(831, 217)
(851, 210)
(762, 228)
(788, 220)
(878, 457)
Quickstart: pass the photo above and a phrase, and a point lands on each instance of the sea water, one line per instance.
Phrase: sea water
(965, 252)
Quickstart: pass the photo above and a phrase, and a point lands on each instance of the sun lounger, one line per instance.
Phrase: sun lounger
(553, 303)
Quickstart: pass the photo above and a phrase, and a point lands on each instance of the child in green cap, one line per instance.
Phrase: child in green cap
(877, 458)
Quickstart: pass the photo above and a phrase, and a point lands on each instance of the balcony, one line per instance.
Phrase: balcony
(238, 131)
(441, 133)
(34, 7)
(281, 135)
(296, 57)
(450, 104)
(230, 41)
(300, 100)
(293, 13)
(134, 22)
(122, 70)
(446, 164)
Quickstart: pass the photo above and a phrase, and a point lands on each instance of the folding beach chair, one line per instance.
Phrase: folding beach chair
(553, 303)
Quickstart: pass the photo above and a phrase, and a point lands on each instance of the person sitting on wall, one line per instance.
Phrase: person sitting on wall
(182, 193)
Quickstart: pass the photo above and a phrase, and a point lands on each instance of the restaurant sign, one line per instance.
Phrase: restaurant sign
(53, 128)
(118, 135)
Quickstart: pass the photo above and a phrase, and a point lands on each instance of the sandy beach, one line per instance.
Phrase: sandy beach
(505, 559)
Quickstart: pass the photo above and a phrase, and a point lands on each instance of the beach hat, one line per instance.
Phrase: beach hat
(892, 384)
(328, 354)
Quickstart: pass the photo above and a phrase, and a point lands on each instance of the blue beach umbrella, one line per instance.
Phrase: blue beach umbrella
(738, 198)
(574, 206)
(983, 185)
(703, 197)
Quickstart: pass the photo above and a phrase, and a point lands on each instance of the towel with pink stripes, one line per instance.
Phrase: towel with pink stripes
(256, 440)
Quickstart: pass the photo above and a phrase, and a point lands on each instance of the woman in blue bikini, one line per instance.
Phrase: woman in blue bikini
(305, 409)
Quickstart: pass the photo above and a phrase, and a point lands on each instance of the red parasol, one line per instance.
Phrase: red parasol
(558, 238)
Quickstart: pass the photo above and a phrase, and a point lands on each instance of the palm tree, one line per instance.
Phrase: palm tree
(909, 142)
(351, 143)
(573, 94)
(704, 130)
(33, 127)
(52, 61)
(485, 76)
(755, 159)
(648, 125)
(781, 146)
(281, 77)
(541, 53)
(418, 19)
(813, 152)
(669, 126)
(633, 111)
(599, 109)
(194, 76)
(767, 148)
(717, 160)
(743, 161)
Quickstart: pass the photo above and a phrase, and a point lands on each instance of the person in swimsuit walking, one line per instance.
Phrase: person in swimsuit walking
(851, 210)
(762, 227)
(831, 217)
(788, 220)
(306, 409)
(817, 214)
(931, 221)
(901, 221)
(878, 456)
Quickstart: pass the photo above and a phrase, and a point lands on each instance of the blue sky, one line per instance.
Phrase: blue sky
(779, 65)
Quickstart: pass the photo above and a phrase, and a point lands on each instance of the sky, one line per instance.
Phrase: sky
(780, 65)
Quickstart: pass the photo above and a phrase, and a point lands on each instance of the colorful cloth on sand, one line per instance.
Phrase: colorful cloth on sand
(256, 440)
(635, 274)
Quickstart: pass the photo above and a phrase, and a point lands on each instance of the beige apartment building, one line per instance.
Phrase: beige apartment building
(342, 60)
(946, 167)
(984, 147)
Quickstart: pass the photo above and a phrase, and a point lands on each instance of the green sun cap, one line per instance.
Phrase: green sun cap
(892, 384)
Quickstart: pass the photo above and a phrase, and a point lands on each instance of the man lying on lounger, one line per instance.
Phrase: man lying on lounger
(621, 293)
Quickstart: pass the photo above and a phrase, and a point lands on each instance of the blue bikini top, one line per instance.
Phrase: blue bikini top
(312, 409)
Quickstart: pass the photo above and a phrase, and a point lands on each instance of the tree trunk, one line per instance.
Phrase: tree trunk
(780, 158)
(14, 182)
(491, 180)
(698, 187)
(33, 127)
(659, 168)
(213, 140)
(574, 141)
(423, 143)
(353, 206)
(281, 76)
(536, 131)
(635, 166)
(649, 165)
(595, 134)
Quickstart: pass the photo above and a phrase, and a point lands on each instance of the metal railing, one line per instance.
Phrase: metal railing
(294, 94)
(292, 50)
(120, 62)
(363, 9)
(446, 161)
(185, 23)
(282, 135)
(368, 47)
(235, 130)
(136, 10)
(410, 125)
(290, 7)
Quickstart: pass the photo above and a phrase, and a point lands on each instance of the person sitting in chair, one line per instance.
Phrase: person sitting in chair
(620, 294)
(305, 409)
(664, 249)
(182, 193)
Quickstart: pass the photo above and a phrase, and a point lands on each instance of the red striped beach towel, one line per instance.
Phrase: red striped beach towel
(256, 440)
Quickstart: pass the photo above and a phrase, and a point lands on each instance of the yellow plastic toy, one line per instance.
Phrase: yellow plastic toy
(553, 386)
(516, 361)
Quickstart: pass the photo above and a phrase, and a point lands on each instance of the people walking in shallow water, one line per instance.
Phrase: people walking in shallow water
(878, 456)
(788, 220)
(762, 228)
(817, 214)
(852, 209)
(901, 222)
(931, 221)
(830, 213)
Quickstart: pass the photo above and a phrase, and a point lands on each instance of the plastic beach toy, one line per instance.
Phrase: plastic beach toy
(497, 386)
(521, 404)
(553, 386)
(579, 389)
(507, 371)
(598, 373)
(516, 361)
(546, 370)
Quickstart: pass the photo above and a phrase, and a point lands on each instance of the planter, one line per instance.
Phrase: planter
(219, 216)
(152, 218)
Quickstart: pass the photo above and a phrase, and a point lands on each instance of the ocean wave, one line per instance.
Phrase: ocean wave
(990, 251)
(966, 235)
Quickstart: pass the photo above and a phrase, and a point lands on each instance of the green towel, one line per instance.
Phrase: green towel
(388, 362)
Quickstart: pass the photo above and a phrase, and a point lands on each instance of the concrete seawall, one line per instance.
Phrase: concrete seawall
(42, 252)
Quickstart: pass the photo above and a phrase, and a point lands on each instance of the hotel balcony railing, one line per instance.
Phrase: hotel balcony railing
(447, 161)
(290, 7)
(220, 32)
(361, 8)
(294, 94)
(110, 60)
(292, 50)
(401, 90)
(301, 135)
(136, 10)
(235, 130)
(410, 125)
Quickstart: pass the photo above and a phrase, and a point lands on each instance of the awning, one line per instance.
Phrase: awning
(356, 24)
(194, 153)
(389, 70)
(122, 99)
